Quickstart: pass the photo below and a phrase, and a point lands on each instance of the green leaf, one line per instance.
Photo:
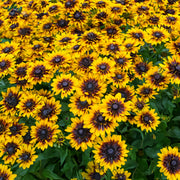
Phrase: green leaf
(177, 118)
(63, 155)
(29, 177)
(152, 167)
(152, 152)
(130, 164)
(174, 132)
(49, 174)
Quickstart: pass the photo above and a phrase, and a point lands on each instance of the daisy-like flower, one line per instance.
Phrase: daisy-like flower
(78, 105)
(10, 100)
(5, 123)
(130, 46)
(103, 68)
(6, 173)
(174, 46)
(58, 60)
(29, 104)
(157, 79)
(172, 69)
(136, 34)
(17, 129)
(7, 63)
(169, 162)
(146, 91)
(91, 88)
(9, 148)
(98, 123)
(127, 92)
(171, 21)
(93, 171)
(141, 68)
(49, 111)
(157, 35)
(147, 120)
(110, 152)
(27, 139)
(122, 60)
(119, 78)
(44, 134)
(26, 155)
(114, 107)
(139, 104)
(9, 48)
(121, 174)
(38, 72)
(80, 136)
(64, 85)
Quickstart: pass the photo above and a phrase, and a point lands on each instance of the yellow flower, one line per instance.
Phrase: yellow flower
(121, 174)
(169, 162)
(80, 136)
(147, 120)
(44, 134)
(6, 173)
(110, 152)
(26, 156)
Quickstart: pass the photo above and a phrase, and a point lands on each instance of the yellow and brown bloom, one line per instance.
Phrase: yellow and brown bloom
(64, 85)
(10, 100)
(49, 111)
(121, 174)
(93, 171)
(147, 120)
(80, 136)
(6, 173)
(44, 134)
(169, 162)
(26, 156)
(110, 152)
(115, 107)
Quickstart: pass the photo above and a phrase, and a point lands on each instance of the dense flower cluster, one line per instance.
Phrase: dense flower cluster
(88, 53)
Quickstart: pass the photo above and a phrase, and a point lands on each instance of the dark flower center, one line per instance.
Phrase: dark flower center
(154, 20)
(25, 156)
(91, 36)
(78, 15)
(65, 39)
(37, 46)
(57, 59)
(24, 31)
(102, 66)
(146, 91)
(76, 47)
(119, 76)
(137, 35)
(86, 61)
(39, 71)
(43, 133)
(47, 26)
(100, 119)
(111, 31)
(53, 8)
(2, 127)
(11, 100)
(2, 64)
(110, 151)
(65, 83)
(157, 77)
(83, 103)
(113, 47)
(90, 86)
(129, 45)
(158, 34)
(80, 132)
(121, 177)
(46, 111)
(171, 163)
(48, 39)
(120, 60)
(70, 4)
(14, 129)
(27, 138)
(11, 148)
(170, 11)
(170, 19)
(101, 15)
(21, 71)
(13, 26)
(29, 104)
(115, 106)
(140, 105)
(96, 176)
(7, 49)
(62, 23)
